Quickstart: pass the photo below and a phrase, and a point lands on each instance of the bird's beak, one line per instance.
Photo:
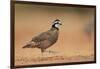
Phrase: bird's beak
(60, 24)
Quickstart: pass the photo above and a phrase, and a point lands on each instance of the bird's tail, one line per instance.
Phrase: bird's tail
(29, 45)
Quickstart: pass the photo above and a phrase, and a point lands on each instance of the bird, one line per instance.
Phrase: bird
(45, 39)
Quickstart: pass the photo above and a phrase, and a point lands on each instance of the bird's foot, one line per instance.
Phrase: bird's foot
(51, 51)
(48, 52)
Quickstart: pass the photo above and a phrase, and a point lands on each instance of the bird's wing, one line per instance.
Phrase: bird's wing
(38, 40)
(43, 36)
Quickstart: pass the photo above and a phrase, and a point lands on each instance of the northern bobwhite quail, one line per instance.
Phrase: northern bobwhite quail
(45, 39)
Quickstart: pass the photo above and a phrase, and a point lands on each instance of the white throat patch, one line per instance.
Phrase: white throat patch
(57, 25)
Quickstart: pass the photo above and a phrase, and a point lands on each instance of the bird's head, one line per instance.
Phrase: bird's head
(56, 23)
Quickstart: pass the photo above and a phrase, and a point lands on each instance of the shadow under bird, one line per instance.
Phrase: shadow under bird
(45, 39)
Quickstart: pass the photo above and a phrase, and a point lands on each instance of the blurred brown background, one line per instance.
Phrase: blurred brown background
(31, 20)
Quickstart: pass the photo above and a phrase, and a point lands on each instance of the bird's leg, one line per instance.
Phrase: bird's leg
(42, 51)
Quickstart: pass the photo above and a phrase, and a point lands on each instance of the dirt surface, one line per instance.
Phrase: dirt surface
(73, 44)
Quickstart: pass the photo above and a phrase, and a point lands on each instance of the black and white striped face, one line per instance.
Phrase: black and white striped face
(57, 23)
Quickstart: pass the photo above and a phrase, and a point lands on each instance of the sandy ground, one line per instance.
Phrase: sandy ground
(73, 45)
